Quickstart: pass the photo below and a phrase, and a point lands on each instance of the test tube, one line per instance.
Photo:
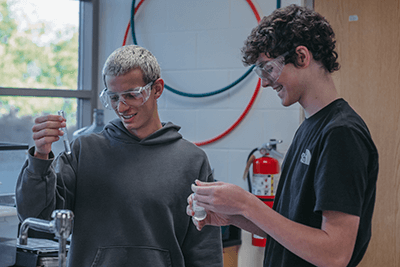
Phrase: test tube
(199, 212)
(65, 136)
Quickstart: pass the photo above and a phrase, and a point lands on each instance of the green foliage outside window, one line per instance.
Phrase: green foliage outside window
(29, 62)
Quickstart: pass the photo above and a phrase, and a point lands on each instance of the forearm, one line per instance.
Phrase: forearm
(321, 247)
(247, 225)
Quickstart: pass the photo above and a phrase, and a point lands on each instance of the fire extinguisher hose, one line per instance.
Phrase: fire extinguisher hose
(247, 171)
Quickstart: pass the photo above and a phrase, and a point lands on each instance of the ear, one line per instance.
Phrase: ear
(158, 88)
(303, 56)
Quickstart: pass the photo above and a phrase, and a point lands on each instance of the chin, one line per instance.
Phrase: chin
(286, 103)
(283, 102)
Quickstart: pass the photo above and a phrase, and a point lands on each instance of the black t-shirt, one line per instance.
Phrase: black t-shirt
(332, 164)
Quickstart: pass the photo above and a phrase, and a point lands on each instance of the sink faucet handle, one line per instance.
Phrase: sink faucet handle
(63, 220)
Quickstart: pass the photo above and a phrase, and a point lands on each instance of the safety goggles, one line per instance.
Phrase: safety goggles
(271, 70)
(133, 97)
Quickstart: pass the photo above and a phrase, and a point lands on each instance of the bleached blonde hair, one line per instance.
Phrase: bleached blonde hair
(129, 57)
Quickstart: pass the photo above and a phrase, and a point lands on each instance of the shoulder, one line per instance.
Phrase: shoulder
(183, 143)
(191, 148)
(341, 118)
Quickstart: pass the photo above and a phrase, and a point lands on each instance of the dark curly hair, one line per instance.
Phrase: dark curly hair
(287, 28)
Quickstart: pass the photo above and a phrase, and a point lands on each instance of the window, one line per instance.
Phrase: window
(49, 62)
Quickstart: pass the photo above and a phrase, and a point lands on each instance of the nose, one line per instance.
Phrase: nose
(122, 106)
(265, 83)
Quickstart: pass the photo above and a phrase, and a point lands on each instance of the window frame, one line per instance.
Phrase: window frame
(86, 94)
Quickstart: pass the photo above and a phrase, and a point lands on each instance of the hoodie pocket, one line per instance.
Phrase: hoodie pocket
(124, 256)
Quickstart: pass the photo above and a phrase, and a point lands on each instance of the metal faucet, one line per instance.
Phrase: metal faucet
(61, 226)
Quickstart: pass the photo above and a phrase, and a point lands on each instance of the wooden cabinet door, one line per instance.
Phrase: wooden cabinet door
(368, 42)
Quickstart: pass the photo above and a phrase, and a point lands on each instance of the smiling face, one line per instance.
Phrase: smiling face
(140, 120)
(286, 85)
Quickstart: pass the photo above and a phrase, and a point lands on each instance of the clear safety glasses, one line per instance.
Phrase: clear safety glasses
(271, 70)
(134, 97)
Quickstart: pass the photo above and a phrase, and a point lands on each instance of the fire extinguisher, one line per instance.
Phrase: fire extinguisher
(262, 181)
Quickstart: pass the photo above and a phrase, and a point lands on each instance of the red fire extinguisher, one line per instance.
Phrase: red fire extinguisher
(262, 181)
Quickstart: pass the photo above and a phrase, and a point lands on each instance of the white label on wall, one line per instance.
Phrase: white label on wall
(353, 18)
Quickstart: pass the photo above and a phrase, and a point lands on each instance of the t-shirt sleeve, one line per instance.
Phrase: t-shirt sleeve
(341, 176)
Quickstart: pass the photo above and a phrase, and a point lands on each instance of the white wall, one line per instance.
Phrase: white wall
(197, 44)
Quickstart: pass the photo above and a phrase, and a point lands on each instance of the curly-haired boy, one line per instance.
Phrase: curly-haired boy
(326, 194)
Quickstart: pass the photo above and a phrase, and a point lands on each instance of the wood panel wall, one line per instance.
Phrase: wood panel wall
(368, 41)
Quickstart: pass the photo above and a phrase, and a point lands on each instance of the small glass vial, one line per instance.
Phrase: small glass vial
(199, 212)
(65, 136)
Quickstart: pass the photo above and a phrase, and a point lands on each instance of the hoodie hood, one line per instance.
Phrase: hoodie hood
(168, 133)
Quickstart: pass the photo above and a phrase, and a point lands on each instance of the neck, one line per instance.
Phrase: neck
(141, 134)
(321, 91)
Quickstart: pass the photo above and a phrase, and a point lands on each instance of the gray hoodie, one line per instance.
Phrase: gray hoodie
(128, 196)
